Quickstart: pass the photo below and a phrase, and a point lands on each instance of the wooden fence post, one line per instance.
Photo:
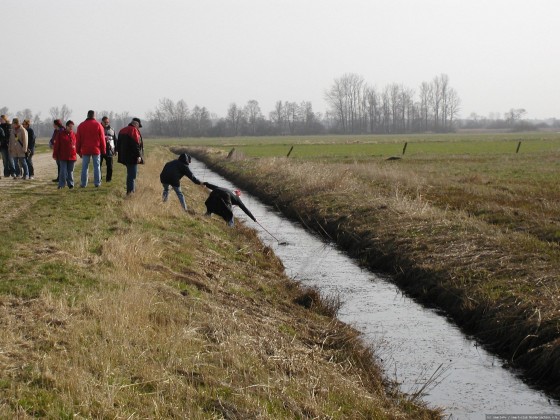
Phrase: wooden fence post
(404, 148)
(518, 146)
(292, 148)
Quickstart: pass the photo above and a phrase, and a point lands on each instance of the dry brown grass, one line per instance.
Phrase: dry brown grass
(187, 319)
(422, 223)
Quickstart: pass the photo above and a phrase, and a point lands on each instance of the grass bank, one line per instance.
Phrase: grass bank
(480, 243)
(116, 307)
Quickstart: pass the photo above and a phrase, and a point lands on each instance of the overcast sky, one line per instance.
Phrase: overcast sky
(125, 55)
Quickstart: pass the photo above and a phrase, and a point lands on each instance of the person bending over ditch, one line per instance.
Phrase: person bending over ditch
(221, 201)
(172, 173)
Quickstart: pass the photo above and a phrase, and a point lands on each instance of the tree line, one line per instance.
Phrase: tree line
(359, 108)
(353, 107)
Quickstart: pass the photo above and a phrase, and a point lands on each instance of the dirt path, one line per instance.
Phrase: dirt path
(45, 171)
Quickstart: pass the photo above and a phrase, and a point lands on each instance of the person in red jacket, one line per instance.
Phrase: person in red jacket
(90, 145)
(64, 151)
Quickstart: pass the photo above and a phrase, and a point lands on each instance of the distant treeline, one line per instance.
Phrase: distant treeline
(353, 107)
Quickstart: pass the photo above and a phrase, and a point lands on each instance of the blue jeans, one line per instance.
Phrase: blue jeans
(179, 193)
(131, 174)
(21, 162)
(96, 170)
(66, 175)
(9, 168)
(30, 165)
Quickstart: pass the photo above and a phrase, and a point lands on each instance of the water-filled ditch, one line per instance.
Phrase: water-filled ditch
(416, 345)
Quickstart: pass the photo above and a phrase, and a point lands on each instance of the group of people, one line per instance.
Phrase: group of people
(96, 142)
(220, 201)
(17, 145)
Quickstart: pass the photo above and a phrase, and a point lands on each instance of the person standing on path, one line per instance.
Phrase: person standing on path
(172, 173)
(130, 152)
(7, 160)
(64, 152)
(110, 140)
(17, 149)
(90, 145)
(30, 147)
(57, 127)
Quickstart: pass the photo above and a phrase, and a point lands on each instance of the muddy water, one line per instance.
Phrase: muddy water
(413, 343)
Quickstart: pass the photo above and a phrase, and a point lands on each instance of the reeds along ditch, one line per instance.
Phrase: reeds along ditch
(498, 283)
(180, 317)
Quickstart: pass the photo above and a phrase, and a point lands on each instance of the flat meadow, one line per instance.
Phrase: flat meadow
(467, 222)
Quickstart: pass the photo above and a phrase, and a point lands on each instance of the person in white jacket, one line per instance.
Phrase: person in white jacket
(110, 147)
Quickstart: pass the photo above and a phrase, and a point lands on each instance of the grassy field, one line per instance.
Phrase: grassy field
(116, 307)
(371, 147)
(474, 232)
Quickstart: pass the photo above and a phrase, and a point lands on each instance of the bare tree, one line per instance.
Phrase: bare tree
(444, 85)
(234, 119)
(307, 118)
(436, 101)
(277, 116)
(514, 115)
(63, 113)
(372, 109)
(253, 114)
(336, 99)
(26, 114)
(200, 121)
(453, 103)
(291, 116)
(426, 97)
(182, 118)
(121, 119)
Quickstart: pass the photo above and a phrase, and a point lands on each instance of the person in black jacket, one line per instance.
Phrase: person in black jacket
(221, 200)
(130, 151)
(30, 147)
(9, 168)
(172, 173)
(2, 136)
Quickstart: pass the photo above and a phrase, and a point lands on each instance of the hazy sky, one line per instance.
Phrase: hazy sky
(125, 55)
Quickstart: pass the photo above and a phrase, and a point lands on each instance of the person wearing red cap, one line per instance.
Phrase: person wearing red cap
(221, 201)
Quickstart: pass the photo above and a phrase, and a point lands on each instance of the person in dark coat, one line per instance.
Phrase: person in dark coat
(30, 147)
(221, 201)
(9, 168)
(130, 151)
(172, 173)
(58, 127)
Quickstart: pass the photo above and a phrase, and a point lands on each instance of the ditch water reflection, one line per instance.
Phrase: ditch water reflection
(413, 342)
